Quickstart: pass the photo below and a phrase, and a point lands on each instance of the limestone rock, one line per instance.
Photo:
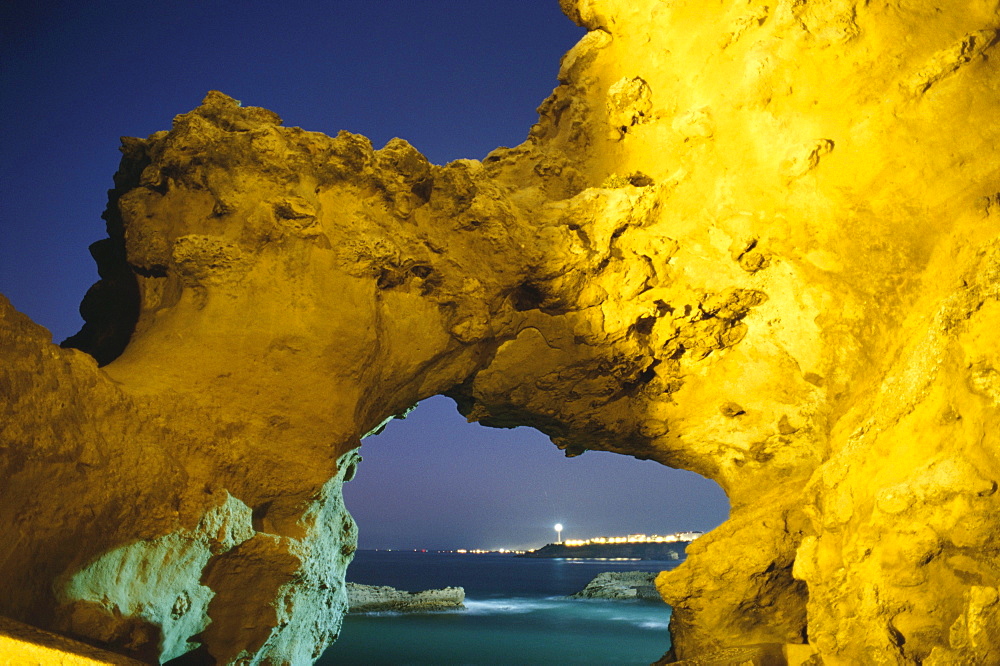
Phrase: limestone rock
(763, 654)
(376, 598)
(759, 241)
(23, 644)
(620, 585)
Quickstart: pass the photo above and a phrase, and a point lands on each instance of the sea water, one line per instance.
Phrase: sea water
(516, 612)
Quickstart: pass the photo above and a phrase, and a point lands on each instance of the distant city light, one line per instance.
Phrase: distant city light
(570, 543)
(635, 538)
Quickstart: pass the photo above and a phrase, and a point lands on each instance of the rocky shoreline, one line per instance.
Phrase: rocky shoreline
(613, 585)
(621, 585)
(375, 598)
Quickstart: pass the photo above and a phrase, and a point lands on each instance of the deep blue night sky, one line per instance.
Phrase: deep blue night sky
(456, 78)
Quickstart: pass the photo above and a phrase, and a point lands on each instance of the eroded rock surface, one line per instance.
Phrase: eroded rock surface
(620, 585)
(756, 241)
(377, 598)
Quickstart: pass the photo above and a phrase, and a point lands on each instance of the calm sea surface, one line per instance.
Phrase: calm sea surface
(516, 613)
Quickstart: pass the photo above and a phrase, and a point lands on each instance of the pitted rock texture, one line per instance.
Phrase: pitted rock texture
(120, 517)
(620, 585)
(756, 241)
(379, 598)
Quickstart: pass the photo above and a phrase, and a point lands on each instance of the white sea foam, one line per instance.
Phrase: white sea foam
(640, 617)
(642, 621)
(508, 605)
(517, 610)
(653, 625)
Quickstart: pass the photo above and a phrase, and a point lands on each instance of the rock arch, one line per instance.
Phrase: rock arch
(750, 241)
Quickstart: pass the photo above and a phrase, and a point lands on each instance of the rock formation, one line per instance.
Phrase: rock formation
(754, 240)
(620, 585)
(375, 598)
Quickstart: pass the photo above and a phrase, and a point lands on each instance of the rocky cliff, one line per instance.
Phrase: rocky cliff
(754, 240)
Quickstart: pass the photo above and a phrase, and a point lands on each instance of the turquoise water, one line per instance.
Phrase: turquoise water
(516, 613)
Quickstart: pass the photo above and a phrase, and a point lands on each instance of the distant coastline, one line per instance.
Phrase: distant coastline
(675, 550)
(633, 547)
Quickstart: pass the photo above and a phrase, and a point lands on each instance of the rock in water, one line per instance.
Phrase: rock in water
(372, 598)
(756, 240)
(621, 585)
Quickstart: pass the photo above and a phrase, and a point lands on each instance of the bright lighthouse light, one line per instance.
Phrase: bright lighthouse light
(558, 528)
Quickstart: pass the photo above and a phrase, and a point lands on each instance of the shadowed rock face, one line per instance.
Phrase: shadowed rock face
(756, 242)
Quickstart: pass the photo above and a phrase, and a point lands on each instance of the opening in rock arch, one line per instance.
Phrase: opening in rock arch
(433, 482)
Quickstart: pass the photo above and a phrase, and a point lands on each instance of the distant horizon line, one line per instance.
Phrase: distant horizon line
(600, 540)
(446, 550)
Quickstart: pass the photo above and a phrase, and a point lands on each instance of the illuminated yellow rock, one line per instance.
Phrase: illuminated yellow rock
(22, 644)
(756, 241)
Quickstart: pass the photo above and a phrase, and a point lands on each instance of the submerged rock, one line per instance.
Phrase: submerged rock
(372, 598)
(621, 585)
